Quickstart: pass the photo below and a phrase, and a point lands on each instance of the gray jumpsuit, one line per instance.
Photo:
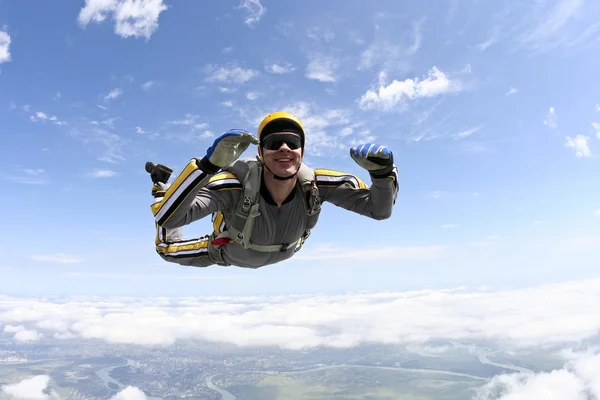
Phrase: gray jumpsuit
(196, 194)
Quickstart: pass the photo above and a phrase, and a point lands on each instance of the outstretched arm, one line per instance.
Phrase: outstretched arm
(350, 192)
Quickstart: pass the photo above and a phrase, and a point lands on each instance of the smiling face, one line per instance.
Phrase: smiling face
(281, 153)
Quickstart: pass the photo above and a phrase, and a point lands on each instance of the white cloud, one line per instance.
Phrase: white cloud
(31, 176)
(512, 90)
(254, 11)
(28, 389)
(26, 336)
(13, 328)
(280, 68)
(394, 95)
(148, 85)
(418, 37)
(4, 47)
(99, 140)
(555, 314)
(550, 120)
(229, 74)
(581, 145)
(227, 103)
(252, 95)
(59, 258)
(189, 119)
(597, 212)
(487, 43)
(320, 34)
(38, 388)
(192, 127)
(130, 393)
(113, 94)
(103, 173)
(446, 226)
(384, 53)
(34, 172)
(551, 30)
(541, 26)
(41, 116)
(578, 380)
(110, 122)
(596, 127)
(467, 132)
(137, 18)
(321, 68)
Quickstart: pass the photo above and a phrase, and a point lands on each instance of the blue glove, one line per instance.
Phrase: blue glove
(228, 147)
(375, 158)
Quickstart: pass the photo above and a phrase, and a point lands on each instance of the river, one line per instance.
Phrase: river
(225, 395)
(485, 360)
(104, 373)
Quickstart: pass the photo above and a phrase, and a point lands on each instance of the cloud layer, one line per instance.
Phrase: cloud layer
(524, 317)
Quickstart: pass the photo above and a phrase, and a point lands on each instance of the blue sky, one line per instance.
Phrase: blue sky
(492, 112)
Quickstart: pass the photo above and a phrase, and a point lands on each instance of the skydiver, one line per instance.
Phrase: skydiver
(262, 209)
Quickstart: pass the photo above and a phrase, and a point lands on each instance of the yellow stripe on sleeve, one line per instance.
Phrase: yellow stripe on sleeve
(329, 177)
(222, 175)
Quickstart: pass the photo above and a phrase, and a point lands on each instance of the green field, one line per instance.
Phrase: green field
(340, 384)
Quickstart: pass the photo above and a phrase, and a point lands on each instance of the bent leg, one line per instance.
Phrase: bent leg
(172, 248)
(170, 245)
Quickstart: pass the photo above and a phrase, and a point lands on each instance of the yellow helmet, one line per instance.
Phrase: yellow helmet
(280, 121)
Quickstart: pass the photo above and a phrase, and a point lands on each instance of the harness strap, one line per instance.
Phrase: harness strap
(240, 228)
(242, 223)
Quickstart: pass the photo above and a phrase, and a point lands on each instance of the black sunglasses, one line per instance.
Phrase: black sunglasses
(274, 142)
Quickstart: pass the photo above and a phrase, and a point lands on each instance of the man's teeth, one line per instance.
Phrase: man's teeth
(284, 159)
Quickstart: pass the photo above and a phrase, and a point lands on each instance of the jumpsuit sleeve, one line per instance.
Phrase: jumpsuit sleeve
(351, 193)
(194, 194)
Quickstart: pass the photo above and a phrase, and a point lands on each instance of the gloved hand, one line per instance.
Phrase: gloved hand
(226, 149)
(375, 158)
